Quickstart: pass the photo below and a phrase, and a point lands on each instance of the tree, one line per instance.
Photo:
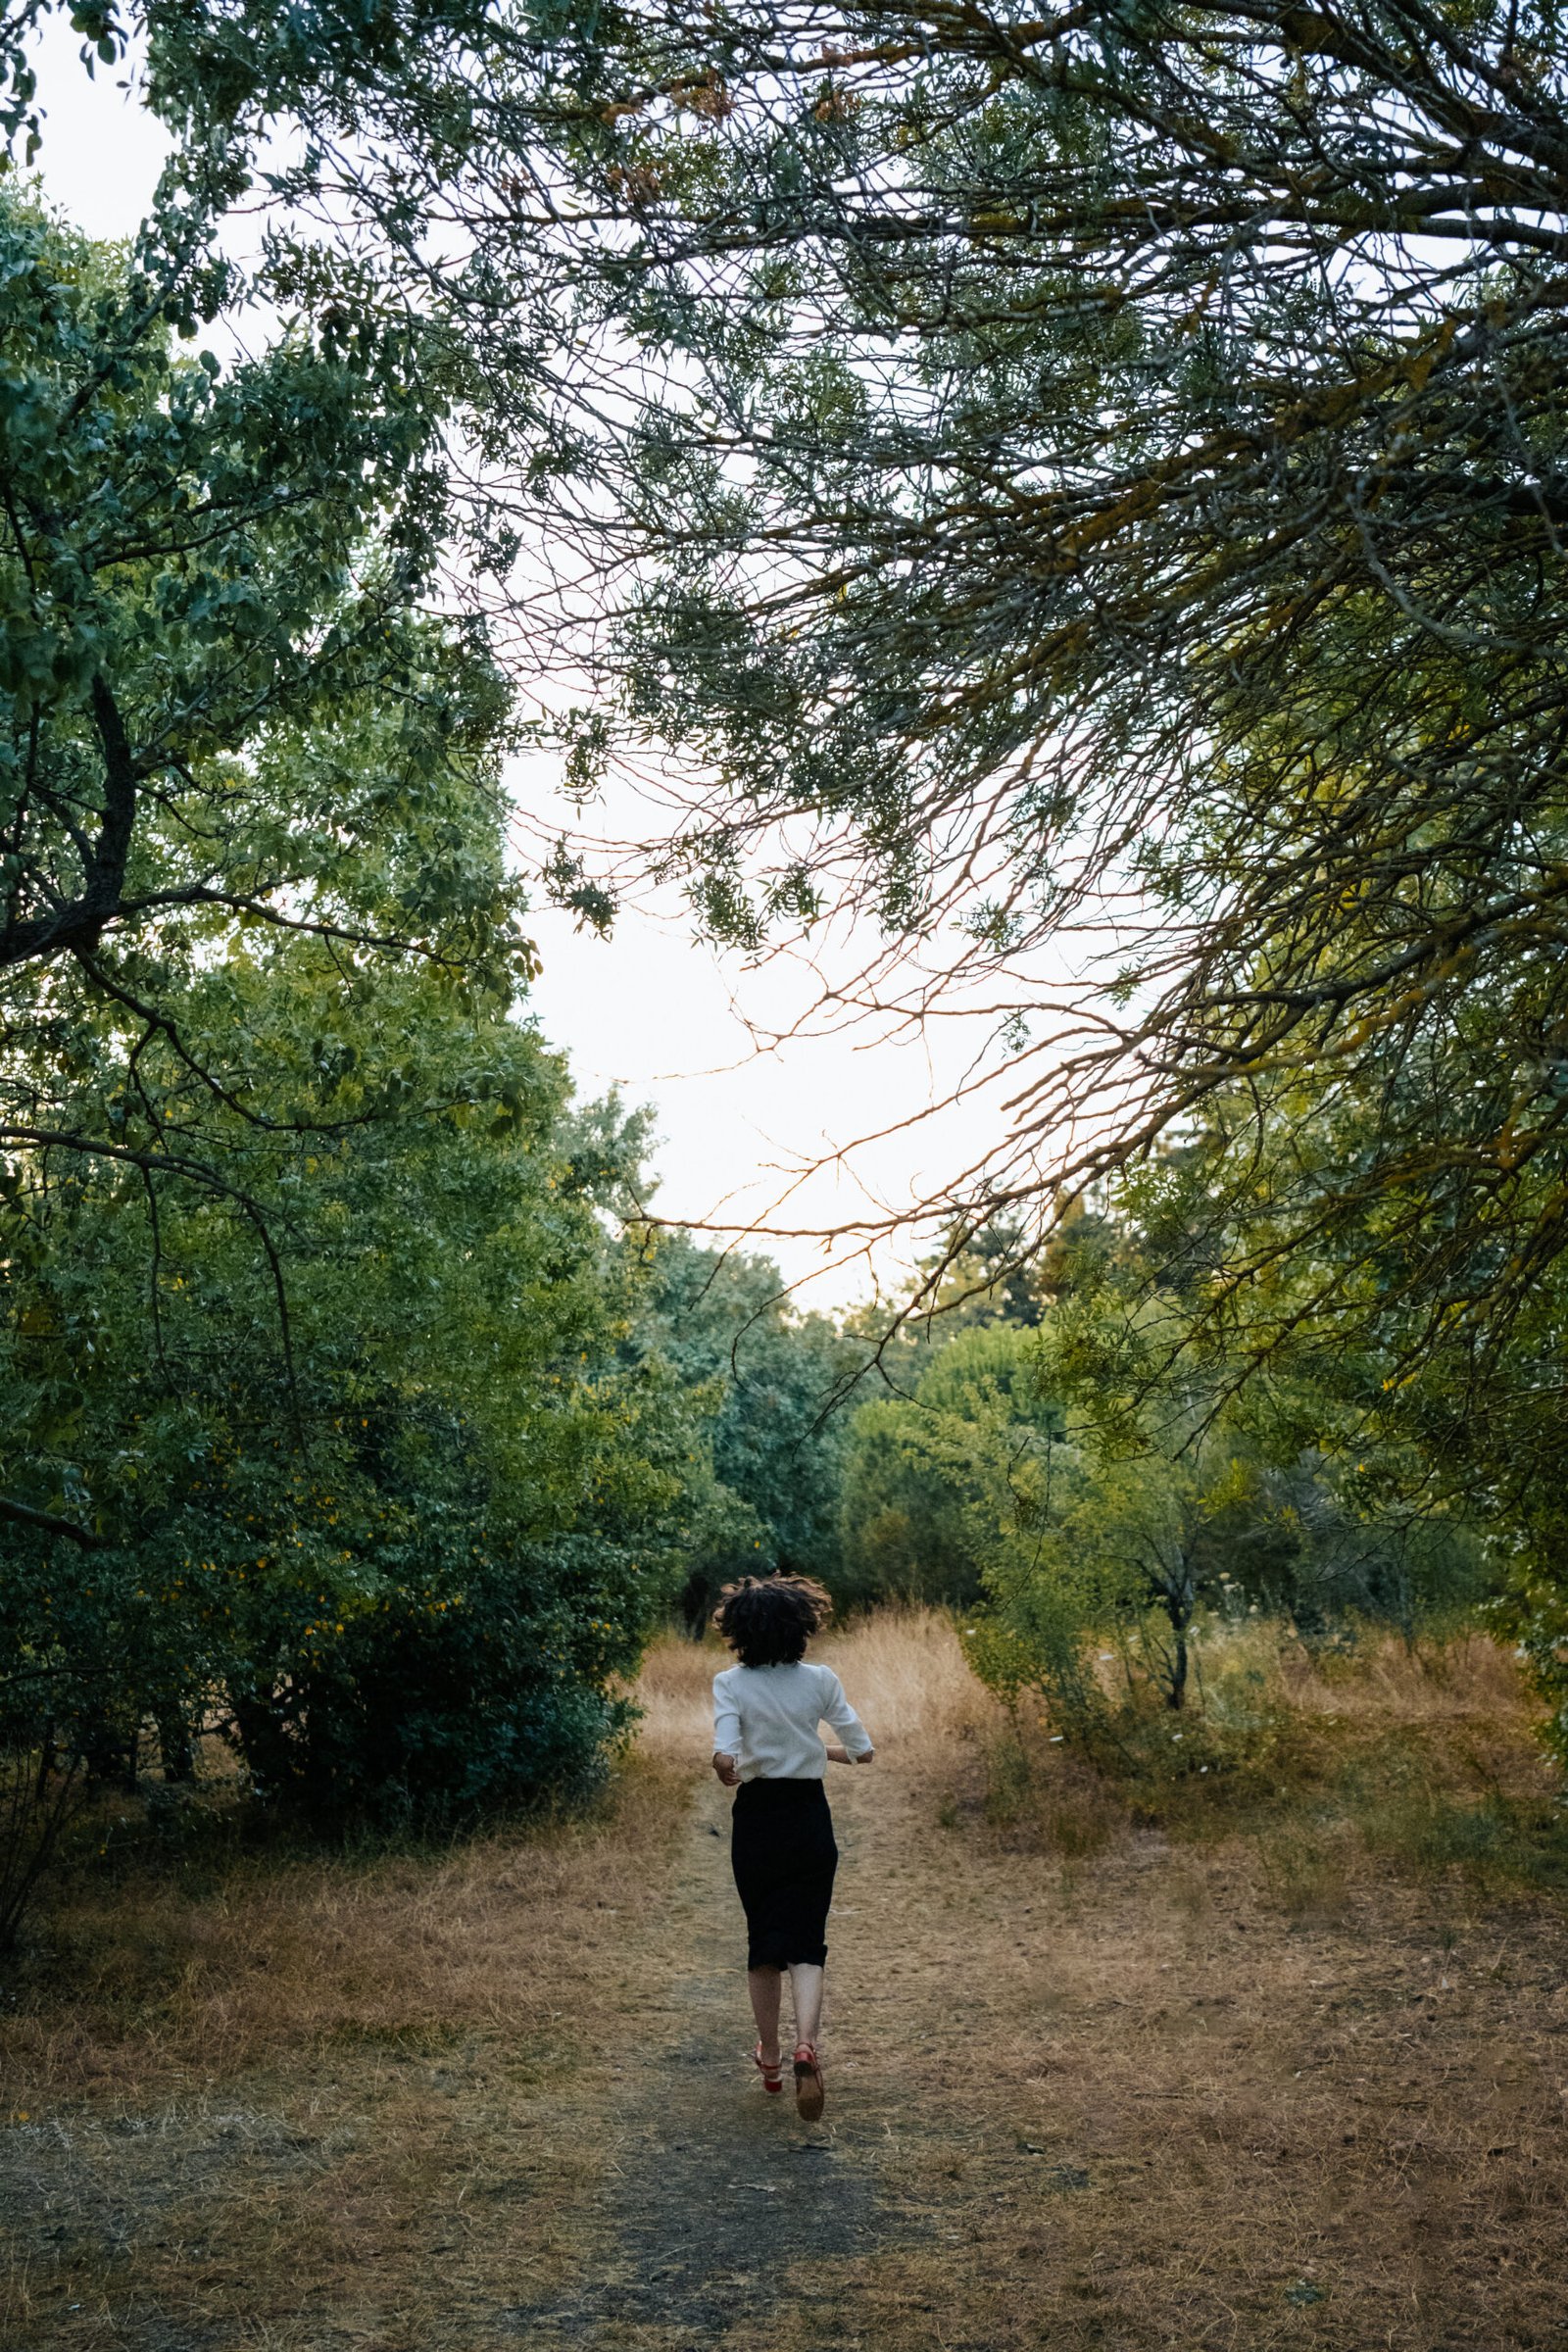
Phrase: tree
(976, 1277)
(203, 566)
(1068, 473)
(402, 1545)
(779, 1380)
(1116, 1517)
(313, 1426)
(1063, 471)
(919, 1466)
(1156, 1503)
(223, 718)
(1097, 474)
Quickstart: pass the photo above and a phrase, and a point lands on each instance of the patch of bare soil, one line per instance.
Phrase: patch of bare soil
(717, 2202)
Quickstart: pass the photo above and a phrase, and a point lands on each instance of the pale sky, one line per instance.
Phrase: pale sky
(650, 1009)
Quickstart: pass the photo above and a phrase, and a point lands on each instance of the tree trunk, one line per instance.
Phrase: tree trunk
(1179, 1599)
(261, 1743)
(176, 1748)
(1176, 1695)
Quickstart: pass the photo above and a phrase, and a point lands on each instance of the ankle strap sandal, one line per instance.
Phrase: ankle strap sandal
(809, 2091)
(770, 2069)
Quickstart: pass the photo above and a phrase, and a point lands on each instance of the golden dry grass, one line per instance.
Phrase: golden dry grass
(1412, 1756)
(262, 2103)
(1163, 2110)
(1390, 1682)
(1288, 2074)
(902, 1670)
(161, 1982)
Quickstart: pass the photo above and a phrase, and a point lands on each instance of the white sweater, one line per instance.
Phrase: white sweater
(766, 1716)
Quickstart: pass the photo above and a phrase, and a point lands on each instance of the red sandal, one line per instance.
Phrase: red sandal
(772, 2074)
(809, 2091)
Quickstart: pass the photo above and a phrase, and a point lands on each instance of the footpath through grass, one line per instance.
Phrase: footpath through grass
(1111, 2065)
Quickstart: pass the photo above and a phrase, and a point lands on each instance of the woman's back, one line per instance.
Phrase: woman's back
(767, 1716)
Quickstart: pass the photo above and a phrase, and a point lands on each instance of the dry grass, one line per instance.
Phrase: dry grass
(267, 2095)
(1128, 2069)
(1156, 2111)
(907, 1676)
(1248, 1673)
(159, 1982)
(1153, 2064)
(1393, 1682)
(1374, 1757)
(903, 1671)
(1279, 2072)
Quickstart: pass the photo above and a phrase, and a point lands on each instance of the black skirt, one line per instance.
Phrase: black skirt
(783, 1855)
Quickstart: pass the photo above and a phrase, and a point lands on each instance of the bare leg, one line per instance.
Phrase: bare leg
(765, 1985)
(805, 1983)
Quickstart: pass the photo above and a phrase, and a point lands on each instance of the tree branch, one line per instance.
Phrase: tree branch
(82, 921)
(50, 1522)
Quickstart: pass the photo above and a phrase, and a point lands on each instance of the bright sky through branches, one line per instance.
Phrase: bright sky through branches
(652, 1010)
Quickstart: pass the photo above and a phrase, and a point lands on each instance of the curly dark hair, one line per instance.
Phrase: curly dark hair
(767, 1620)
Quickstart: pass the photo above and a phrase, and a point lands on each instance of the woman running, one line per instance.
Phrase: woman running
(767, 1746)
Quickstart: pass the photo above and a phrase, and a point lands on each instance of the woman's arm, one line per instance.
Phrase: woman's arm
(837, 1710)
(726, 1736)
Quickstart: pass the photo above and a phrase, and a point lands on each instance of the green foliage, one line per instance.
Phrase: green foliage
(1533, 1608)
(919, 1468)
(210, 582)
(1382, 1352)
(333, 1407)
(317, 1419)
(392, 1505)
(978, 1277)
(1013, 492)
(778, 1381)
(1150, 1507)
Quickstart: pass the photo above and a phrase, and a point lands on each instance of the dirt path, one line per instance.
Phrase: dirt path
(1116, 2105)
(716, 2201)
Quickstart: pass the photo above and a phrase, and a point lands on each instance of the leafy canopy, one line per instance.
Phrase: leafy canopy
(1093, 476)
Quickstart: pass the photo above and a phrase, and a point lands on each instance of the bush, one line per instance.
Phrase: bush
(403, 1545)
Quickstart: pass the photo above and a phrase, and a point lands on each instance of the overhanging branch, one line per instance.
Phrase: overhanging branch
(50, 1522)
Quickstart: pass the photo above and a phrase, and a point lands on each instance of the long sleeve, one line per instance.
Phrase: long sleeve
(727, 1721)
(837, 1710)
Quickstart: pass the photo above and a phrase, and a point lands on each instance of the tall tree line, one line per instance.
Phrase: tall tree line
(1085, 487)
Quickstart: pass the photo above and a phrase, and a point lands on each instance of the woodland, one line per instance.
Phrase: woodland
(1080, 491)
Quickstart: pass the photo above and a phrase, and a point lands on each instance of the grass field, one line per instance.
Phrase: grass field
(1273, 2055)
